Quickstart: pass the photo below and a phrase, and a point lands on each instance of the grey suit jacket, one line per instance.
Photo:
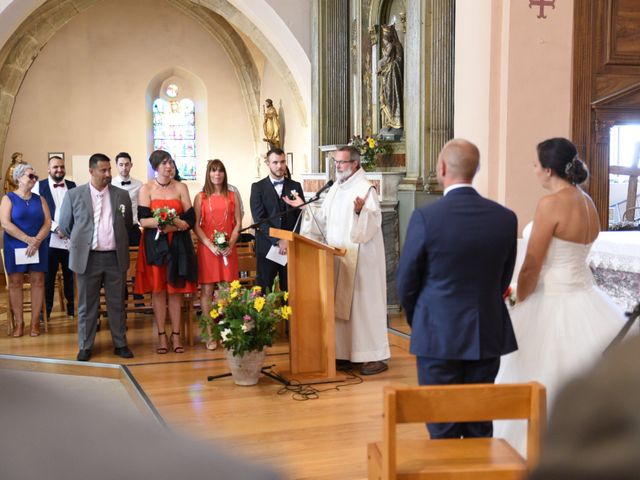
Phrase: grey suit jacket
(76, 222)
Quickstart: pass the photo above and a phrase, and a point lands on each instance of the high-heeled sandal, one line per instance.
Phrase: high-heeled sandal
(176, 348)
(18, 330)
(160, 349)
(35, 330)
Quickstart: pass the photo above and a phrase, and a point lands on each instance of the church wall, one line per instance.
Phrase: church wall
(85, 92)
(297, 16)
(513, 90)
(296, 137)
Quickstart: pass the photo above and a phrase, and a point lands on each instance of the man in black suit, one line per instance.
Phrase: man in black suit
(266, 201)
(53, 189)
(457, 261)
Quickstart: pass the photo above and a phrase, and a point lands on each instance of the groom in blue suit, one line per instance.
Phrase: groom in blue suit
(457, 262)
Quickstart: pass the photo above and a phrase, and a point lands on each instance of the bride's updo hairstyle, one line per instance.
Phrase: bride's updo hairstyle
(561, 156)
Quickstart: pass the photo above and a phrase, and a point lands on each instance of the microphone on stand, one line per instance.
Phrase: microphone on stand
(327, 186)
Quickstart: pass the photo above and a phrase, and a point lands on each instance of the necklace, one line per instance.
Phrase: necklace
(24, 197)
(163, 185)
(217, 225)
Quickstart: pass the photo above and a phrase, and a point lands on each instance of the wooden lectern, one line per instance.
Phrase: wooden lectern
(312, 332)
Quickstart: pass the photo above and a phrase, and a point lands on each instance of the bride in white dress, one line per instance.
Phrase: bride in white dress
(562, 320)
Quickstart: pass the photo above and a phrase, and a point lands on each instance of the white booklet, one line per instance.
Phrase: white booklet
(275, 256)
(22, 259)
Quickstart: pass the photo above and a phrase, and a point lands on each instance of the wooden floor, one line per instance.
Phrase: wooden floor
(321, 438)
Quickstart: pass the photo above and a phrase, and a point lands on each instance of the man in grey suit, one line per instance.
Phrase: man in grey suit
(97, 217)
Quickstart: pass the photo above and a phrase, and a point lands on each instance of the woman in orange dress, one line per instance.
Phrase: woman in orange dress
(216, 210)
(166, 265)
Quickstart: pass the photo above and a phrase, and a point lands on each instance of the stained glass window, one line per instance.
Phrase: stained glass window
(174, 130)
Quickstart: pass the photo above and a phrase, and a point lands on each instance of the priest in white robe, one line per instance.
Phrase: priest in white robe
(350, 217)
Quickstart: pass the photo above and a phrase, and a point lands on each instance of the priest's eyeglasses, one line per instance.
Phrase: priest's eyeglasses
(342, 162)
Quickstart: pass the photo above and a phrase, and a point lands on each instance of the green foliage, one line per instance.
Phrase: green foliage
(244, 319)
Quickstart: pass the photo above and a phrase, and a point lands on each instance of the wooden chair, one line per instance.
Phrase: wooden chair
(26, 300)
(466, 458)
(247, 264)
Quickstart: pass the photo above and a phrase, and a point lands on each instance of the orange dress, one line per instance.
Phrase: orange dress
(153, 278)
(217, 213)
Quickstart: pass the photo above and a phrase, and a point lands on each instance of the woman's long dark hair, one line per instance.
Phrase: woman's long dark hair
(215, 165)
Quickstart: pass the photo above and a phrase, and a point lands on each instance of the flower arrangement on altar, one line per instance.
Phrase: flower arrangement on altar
(369, 148)
(245, 319)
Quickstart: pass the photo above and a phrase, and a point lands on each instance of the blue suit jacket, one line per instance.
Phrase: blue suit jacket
(45, 192)
(457, 261)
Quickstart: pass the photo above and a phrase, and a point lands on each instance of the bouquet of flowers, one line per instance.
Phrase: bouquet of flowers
(220, 240)
(164, 216)
(509, 296)
(369, 148)
(245, 319)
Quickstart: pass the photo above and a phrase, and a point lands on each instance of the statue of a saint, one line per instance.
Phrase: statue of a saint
(391, 71)
(271, 125)
(9, 184)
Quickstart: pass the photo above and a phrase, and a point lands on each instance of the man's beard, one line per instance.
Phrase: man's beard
(343, 176)
(57, 178)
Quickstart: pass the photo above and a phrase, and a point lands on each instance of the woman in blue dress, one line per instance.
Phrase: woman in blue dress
(26, 221)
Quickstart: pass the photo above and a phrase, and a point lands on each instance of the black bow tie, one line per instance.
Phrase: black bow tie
(278, 182)
(125, 182)
(56, 185)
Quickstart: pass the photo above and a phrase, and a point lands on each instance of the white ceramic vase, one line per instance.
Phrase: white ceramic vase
(245, 369)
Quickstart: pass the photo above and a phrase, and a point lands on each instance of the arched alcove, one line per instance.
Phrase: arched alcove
(30, 37)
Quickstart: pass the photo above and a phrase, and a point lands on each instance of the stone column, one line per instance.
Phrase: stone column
(442, 80)
(330, 76)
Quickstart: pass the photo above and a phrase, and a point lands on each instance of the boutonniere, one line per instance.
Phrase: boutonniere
(122, 209)
(293, 194)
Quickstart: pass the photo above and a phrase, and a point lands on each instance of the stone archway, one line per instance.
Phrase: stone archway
(26, 42)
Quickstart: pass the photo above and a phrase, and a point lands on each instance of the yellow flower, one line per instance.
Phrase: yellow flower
(214, 313)
(286, 296)
(285, 312)
(257, 288)
(258, 303)
(235, 285)
(221, 304)
(371, 142)
(234, 293)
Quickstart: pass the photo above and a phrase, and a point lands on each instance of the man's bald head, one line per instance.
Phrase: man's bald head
(458, 162)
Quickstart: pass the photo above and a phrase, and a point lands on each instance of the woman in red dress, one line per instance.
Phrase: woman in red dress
(216, 209)
(166, 264)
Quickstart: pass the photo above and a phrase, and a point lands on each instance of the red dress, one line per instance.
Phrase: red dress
(217, 213)
(153, 278)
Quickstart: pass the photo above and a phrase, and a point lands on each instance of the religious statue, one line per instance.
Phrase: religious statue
(391, 71)
(271, 125)
(9, 184)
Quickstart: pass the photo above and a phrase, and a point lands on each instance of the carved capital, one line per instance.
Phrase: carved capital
(403, 22)
(603, 128)
(374, 34)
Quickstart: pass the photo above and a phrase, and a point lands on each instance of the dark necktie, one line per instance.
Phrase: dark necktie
(125, 182)
(56, 185)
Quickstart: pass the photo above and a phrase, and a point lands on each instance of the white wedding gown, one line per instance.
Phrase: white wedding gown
(562, 328)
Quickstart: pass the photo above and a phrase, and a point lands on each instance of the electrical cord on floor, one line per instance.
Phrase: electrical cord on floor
(305, 391)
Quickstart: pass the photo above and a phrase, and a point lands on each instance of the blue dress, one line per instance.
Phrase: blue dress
(28, 216)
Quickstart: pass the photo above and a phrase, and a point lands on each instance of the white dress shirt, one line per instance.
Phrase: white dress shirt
(133, 188)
